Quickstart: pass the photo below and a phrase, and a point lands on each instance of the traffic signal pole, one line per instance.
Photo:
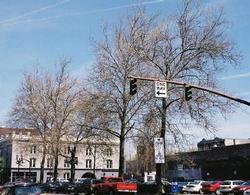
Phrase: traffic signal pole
(196, 87)
(188, 96)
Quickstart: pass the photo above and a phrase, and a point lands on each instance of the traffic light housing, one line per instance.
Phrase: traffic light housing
(133, 87)
(188, 93)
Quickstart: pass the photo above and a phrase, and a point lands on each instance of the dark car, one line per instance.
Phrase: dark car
(72, 187)
(86, 186)
(239, 190)
(58, 187)
(151, 187)
(23, 188)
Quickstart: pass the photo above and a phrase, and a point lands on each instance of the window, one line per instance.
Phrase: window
(88, 151)
(88, 163)
(109, 152)
(66, 163)
(49, 162)
(33, 149)
(66, 176)
(32, 162)
(109, 164)
(69, 150)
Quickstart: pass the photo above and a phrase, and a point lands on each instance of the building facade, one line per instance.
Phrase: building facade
(217, 159)
(21, 151)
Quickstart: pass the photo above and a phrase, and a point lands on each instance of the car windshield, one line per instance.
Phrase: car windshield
(226, 183)
(214, 182)
(28, 190)
(246, 183)
(195, 182)
(95, 181)
(86, 181)
(182, 183)
(115, 179)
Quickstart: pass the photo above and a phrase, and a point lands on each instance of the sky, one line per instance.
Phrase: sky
(40, 33)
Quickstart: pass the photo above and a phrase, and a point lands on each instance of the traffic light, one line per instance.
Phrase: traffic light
(188, 93)
(133, 87)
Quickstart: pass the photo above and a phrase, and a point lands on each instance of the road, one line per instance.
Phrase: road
(137, 194)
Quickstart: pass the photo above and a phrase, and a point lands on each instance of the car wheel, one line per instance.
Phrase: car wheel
(96, 192)
(112, 192)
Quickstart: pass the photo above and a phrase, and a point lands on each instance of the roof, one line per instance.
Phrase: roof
(8, 131)
(211, 141)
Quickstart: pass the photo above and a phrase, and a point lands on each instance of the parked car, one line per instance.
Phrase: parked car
(58, 187)
(210, 187)
(193, 187)
(227, 186)
(181, 185)
(114, 185)
(150, 187)
(86, 186)
(246, 192)
(71, 187)
(239, 190)
(78, 180)
(23, 188)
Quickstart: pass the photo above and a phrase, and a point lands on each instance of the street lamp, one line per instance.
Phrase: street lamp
(29, 164)
(19, 162)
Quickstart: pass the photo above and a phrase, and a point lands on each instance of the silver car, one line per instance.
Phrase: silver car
(227, 186)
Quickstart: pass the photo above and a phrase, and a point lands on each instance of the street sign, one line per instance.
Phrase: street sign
(159, 150)
(161, 89)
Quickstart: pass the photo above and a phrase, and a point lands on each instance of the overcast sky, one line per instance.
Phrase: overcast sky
(42, 32)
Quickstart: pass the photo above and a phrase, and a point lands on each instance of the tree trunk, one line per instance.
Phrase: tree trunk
(55, 165)
(42, 166)
(121, 156)
(94, 160)
(72, 162)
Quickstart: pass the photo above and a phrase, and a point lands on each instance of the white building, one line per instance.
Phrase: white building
(21, 153)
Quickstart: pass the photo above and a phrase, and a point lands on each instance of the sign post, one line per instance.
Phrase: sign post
(161, 89)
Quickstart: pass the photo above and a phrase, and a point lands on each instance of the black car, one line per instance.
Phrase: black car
(23, 188)
(86, 185)
(58, 187)
(72, 187)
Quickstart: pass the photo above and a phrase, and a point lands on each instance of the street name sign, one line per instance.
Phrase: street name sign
(159, 150)
(161, 89)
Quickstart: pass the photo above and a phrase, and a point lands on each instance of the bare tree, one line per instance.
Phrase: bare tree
(115, 107)
(190, 46)
(47, 102)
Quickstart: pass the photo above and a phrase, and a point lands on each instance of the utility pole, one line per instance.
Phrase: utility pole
(188, 96)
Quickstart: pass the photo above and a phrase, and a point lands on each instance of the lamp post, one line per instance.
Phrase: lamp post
(29, 164)
(19, 162)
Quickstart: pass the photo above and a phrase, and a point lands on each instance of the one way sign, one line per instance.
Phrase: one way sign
(161, 89)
